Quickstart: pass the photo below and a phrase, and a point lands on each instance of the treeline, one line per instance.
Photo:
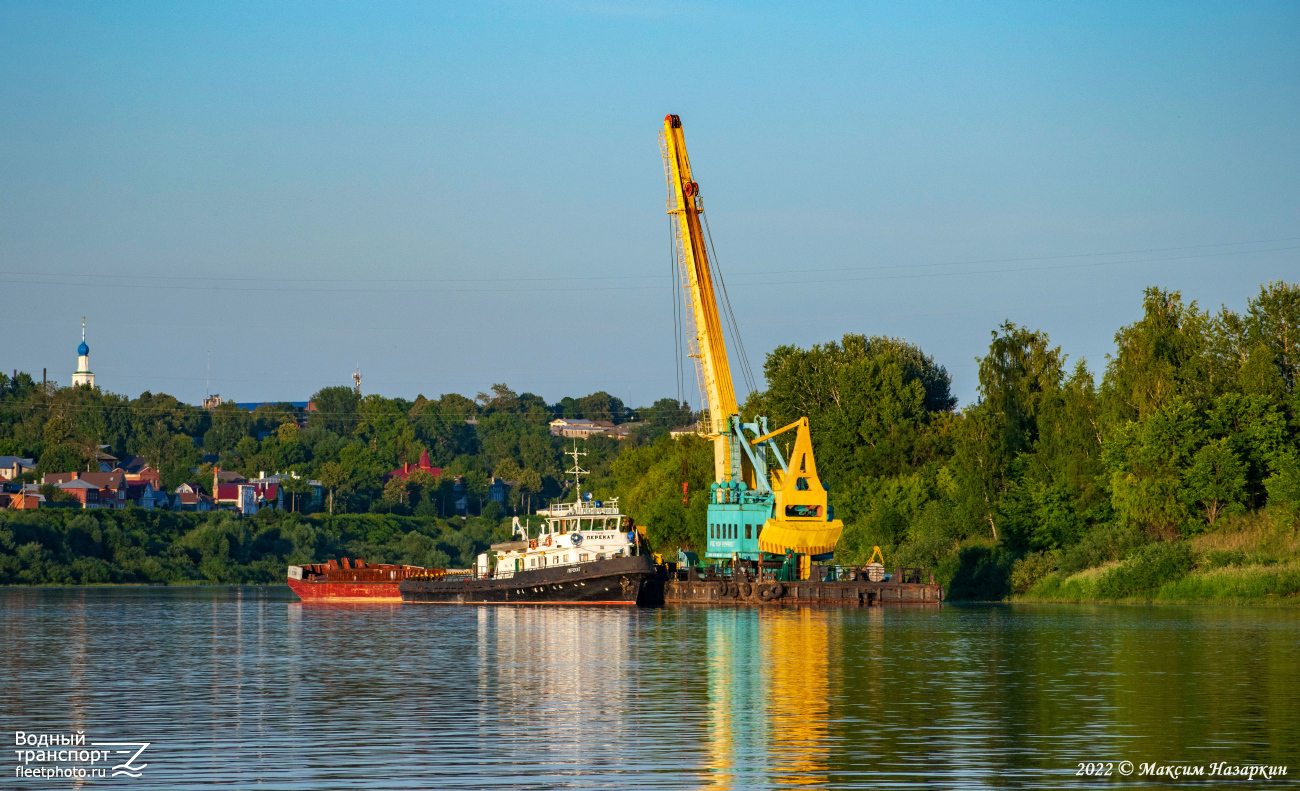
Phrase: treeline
(78, 547)
(349, 442)
(1195, 420)
(1048, 477)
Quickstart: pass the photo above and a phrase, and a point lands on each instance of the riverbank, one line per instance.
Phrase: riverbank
(1253, 559)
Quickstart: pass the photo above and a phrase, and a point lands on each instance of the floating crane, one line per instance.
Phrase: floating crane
(754, 508)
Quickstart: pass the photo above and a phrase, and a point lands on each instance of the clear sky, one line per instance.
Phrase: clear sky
(455, 194)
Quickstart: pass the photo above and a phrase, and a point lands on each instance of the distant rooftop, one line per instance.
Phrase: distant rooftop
(251, 405)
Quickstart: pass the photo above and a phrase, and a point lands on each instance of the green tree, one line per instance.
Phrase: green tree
(1216, 480)
(332, 476)
(336, 409)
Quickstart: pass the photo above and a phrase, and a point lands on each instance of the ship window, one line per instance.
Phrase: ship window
(749, 529)
(801, 484)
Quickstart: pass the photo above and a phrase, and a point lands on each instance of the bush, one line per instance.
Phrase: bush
(1146, 569)
(1026, 572)
(1103, 544)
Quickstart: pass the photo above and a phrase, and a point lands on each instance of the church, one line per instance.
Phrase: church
(83, 375)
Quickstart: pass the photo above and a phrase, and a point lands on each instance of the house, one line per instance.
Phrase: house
(583, 428)
(499, 490)
(20, 500)
(459, 498)
(693, 428)
(243, 495)
(85, 492)
(317, 488)
(189, 497)
(404, 472)
(112, 487)
(611, 430)
(146, 496)
(574, 427)
(106, 461)
(137, 470)
(13, 466)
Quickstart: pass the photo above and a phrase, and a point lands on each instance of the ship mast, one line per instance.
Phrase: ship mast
(577, 471)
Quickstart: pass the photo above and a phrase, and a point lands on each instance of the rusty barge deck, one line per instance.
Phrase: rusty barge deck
(800, 592)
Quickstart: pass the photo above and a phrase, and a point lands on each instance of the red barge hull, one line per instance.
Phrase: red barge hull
(346, 591)
(351, 581)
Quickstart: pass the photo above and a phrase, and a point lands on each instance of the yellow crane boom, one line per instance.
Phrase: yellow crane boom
(708, 346)
(750, 513)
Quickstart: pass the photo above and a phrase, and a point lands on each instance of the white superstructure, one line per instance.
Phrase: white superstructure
(577, 532)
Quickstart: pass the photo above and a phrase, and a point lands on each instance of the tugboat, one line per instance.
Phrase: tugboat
(588, 553)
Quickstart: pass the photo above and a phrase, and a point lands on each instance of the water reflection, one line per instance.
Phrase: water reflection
(768, 691)
(246, 686)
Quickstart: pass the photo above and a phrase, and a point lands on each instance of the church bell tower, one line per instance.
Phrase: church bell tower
(83, 375)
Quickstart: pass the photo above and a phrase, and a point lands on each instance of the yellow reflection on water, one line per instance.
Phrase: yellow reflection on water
(768, 695)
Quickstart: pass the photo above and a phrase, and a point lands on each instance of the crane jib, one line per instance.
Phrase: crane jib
(752, 511)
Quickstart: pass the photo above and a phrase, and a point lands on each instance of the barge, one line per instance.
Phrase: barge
(351, 580)
(857, 592)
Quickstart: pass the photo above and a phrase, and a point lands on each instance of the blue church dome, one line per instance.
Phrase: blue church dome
(83, 349)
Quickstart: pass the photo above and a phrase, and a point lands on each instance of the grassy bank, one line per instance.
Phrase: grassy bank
(1253, 559)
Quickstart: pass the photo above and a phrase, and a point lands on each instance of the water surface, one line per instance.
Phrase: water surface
(247, 687)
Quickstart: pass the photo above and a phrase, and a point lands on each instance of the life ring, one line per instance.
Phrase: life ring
(532, 544)
(548, 541)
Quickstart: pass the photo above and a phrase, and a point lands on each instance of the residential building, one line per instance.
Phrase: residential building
(317, 488)
(111, 487)
(137, 470)
(499, 490)
(12, 467)
(404, 472)
(190, 497)
(583, 428)
(146, 496)
(20, 500)
(85, 493)
(693, 428)
(106, 461)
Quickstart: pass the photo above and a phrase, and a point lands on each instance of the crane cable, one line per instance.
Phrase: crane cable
(741, 355)
(675, 291)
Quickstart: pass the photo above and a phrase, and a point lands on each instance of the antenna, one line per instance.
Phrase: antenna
(207, 383)
(356, 379)
(576, 471)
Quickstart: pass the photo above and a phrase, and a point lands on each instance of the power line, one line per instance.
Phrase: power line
(219, 280)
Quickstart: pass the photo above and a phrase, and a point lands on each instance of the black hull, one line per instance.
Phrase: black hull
(625, 581)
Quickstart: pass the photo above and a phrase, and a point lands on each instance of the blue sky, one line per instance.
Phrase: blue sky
(452, 195)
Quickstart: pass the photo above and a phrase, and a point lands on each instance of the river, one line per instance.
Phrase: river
(247, 687)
